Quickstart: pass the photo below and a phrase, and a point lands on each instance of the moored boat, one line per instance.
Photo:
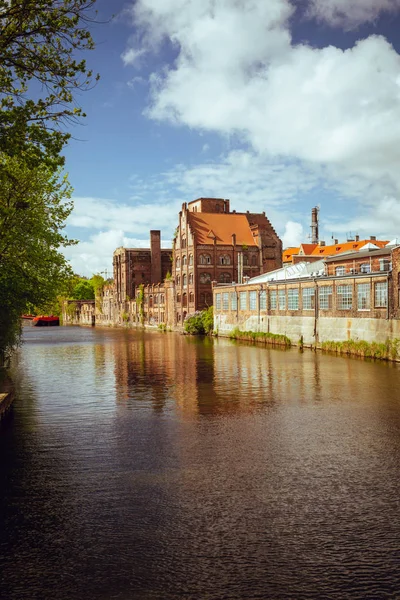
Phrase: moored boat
(45, 321)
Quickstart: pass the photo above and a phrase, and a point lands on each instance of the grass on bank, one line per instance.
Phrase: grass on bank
(389, 350)
(273, 339)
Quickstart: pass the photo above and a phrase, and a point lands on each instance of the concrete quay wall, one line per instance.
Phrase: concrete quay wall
(313, 331)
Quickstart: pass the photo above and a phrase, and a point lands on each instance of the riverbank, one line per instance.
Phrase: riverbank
(6, 394)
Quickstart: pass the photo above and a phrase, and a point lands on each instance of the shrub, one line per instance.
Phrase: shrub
(383, 351)
(200, 323)
(273, 339)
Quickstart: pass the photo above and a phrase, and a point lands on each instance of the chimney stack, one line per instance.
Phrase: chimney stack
(314, 225)
(155, 250)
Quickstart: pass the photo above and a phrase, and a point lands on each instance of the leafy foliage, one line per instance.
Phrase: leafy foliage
(40, 73)
(390, 350)
(41, 69)
(273, 339)
(34, 204)
(200, 323)
(83, 291)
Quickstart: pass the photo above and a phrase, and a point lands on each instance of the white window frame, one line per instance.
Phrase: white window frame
(344, 297)
(242, 300)
(263, 300)
(253, 300)
(381, 294)
(293, 298)
(233, 301)
(282, 299)
(273, 302)
(225, 301)
(325, 294)
(363, 296)
(309, 298)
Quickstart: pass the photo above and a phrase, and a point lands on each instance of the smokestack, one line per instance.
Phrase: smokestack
(155, 249)
(314, 225)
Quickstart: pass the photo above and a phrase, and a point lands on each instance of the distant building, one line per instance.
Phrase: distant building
(314, 252)
(135, 266)
(214, 244)
(351, 295)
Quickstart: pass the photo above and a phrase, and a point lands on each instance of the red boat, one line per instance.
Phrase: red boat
(45, 321)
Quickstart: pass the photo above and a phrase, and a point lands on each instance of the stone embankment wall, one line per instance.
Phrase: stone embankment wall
(314, 332)
(6, 394)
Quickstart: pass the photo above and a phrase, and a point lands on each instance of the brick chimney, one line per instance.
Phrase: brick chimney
(155, 249)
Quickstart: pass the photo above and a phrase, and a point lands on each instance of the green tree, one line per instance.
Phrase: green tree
(84, 290)
(34, 204)
(41, 68)
(42, 43)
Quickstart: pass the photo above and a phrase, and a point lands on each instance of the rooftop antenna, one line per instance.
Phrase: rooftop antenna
(314, 225)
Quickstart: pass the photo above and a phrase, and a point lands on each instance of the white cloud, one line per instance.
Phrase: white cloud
(293, 234)
(95, 254)
(237, 72)
(100, 214)
(351, 13)
(132, 56)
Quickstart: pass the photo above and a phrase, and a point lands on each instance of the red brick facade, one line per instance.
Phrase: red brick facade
(208, 245)
(135, 266)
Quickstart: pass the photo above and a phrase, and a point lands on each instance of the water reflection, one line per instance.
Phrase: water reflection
(146, 465)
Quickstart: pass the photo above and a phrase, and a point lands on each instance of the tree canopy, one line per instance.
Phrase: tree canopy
(41, 68)
(42, 43)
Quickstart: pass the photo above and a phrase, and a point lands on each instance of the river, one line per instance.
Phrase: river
(157, 466)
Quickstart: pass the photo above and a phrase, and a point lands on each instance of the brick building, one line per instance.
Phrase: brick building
(355, 295)
(135, 266)
(214, 244)
(314, 252)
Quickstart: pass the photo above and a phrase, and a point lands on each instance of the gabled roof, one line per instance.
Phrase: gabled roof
(288, 253)
(344, 247)
(221, 226)
(307, 249)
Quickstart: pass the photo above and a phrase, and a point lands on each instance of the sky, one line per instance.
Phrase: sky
(278, 105)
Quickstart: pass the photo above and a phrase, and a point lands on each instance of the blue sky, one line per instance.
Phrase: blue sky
(278, 105)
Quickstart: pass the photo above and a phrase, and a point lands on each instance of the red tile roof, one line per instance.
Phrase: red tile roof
(206, 226)
(307, 248)
(346, 247)
(288, 253)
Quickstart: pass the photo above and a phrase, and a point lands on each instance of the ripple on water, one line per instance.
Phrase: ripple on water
(145, 465)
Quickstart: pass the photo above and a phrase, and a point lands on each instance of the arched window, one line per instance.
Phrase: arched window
(245, 259)
(225, 278)
(184, 260)
(225, 260)
(190, 259)
(178, 280)
(205, 278)
(191, 297)
(205, 259)
(184, 300)
(254, 260)
(150, 301)
(190, 278)
(178, 298)
(156, 299)
(184, 280)
(183, 242)
(178, 263)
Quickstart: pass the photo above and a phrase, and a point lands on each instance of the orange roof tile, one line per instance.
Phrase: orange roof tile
(221, 226)
(307, 248)
(345, 247)
(288, 253)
